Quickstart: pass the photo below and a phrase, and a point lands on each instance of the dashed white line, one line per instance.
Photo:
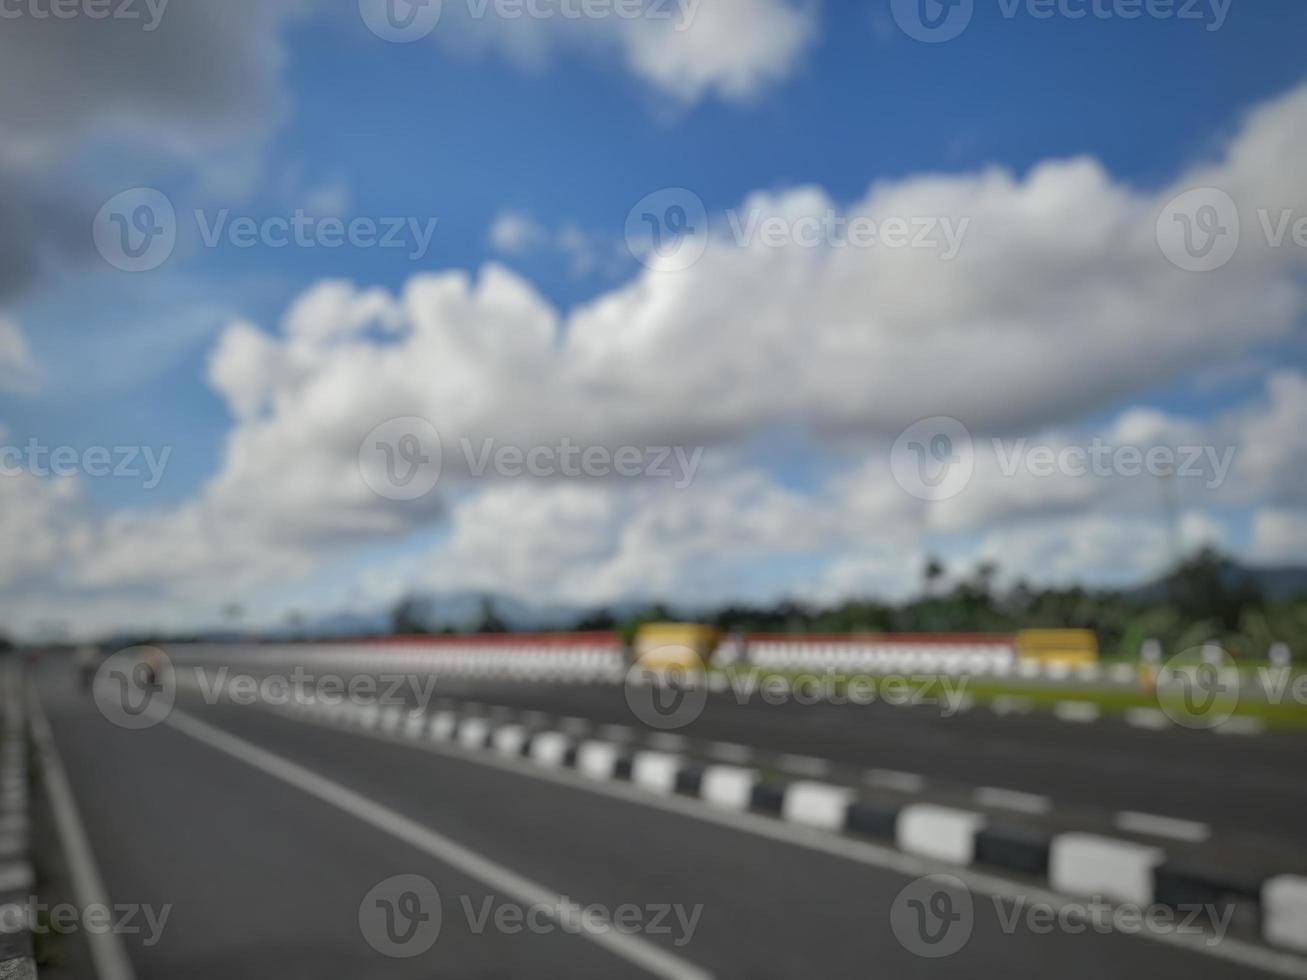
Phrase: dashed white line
(1011, 799)
(903, 782)
(667, 741)
(1147, 718)
(1079, 712)
(804, 765)
(1190, 831)
(1241, 725)
(730, 752)
(1011, 704)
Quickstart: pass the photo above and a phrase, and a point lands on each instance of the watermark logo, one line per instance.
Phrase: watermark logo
(135, 688)
(1100, 459)
(668, 229)
(143, 463)
(148, 12)
(933, 916)
(401, 917)
(64, 919)
(933, 21)
(934, 459)
(401, 21)
(136, 230)
(401, 459)
(665, 688)
(1199, 230)
(1199, 688)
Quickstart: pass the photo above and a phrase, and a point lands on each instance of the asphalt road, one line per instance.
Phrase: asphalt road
(1250, 786)
(265, 836)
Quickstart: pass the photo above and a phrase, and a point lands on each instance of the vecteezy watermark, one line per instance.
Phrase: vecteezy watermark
(1204, 687)
(935, 459)
(402, 917)
(1199, 688)
(669, 229)
(403, 459)
(1201, 229)
(934, 916)
(406, 21)
(148, 12)
(64, 919)
(135, 688)
(137, 231)
(935, 21)
(1207, 463)
(143, 463)
(305, 688)
(672, 697)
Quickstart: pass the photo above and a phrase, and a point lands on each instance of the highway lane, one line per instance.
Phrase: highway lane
(267, 879)
(1245, 785)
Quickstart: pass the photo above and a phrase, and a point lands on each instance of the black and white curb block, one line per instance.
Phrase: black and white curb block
(1083, 865)
(16, 877)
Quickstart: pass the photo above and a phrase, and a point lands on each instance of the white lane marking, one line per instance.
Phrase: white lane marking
(574, 726)
(903, 782)
(804, 765)
(107, 951)
(667, 742)
(1147, 718)
(874, 855)
(639, 952)
(1079, 712)
(730, 752)
(1007, 704)
(1241, 725)
(1011, 799)
(1156, 826)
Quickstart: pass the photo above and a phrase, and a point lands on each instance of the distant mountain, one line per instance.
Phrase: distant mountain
(1278, 582)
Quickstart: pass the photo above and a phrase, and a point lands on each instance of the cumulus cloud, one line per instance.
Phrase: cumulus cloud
(687, 49)
(1058, 305)
(19, 372)
(197, 74)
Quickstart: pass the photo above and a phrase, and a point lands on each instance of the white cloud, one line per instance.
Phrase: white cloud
(731, 49)
(19, 372)
(1058, 305)
(515, 232)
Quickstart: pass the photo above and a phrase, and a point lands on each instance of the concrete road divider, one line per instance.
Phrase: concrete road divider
(597, 760)
(728, 787)
(509, 739)
(473, 733)
(939, 832)
(1087, 864)
(817, 804)
(443, 726)
(1284, 912)
(549, 749)
(656, 771)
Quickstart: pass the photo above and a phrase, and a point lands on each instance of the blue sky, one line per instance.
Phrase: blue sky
(570, 136)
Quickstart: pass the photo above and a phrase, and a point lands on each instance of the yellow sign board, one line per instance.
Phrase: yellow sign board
(1070, 647)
